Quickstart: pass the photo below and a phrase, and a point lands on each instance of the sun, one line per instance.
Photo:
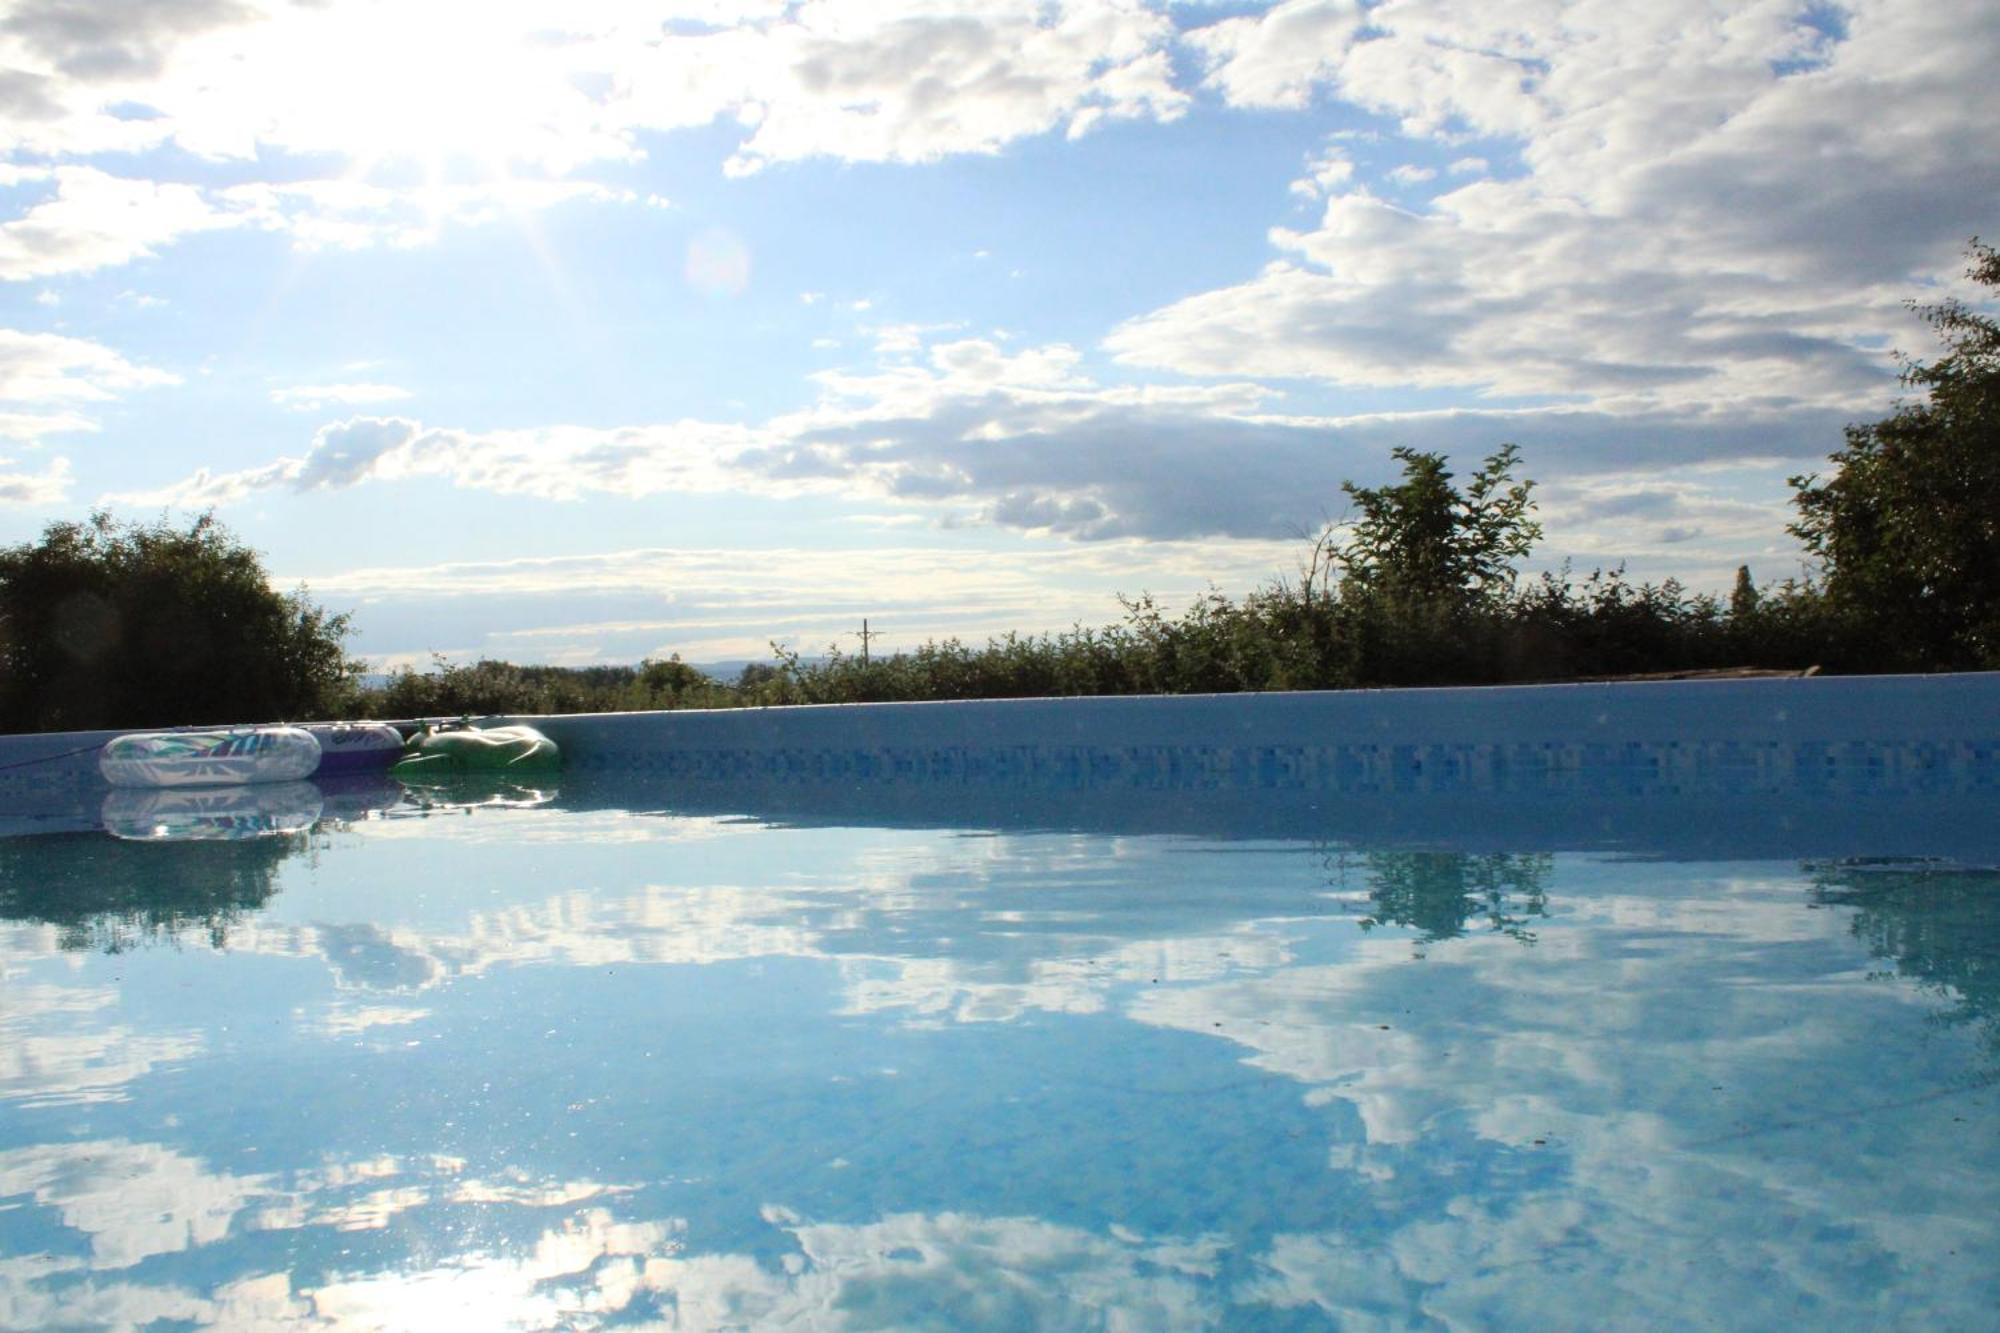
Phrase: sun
(446, 88)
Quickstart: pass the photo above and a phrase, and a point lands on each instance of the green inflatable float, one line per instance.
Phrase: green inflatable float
(442, 752)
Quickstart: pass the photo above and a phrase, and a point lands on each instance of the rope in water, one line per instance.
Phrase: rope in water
(51, 758)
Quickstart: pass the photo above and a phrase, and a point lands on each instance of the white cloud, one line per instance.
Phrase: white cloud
(712, 604)
(557, 463)
(132, 1200)
(348, 214)
(590, 1268)
(313, 397)
(1531, 1060)
(1278, 57)
(93, 220)
(49, 367)
(33, 426)
(41, 371)
(1325, 174)
(1480, 1110)
(64, 1045)
(903, 340)
(907, 83)
(1720, 208)
(977, 423)
(46, 487)
(222, 77)
(1025, 440)
(468, 112)
(525, 86)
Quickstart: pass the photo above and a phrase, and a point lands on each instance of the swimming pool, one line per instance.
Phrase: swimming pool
(1026, 1020)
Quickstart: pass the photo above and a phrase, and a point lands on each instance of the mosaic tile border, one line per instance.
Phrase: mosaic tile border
(1667, 767)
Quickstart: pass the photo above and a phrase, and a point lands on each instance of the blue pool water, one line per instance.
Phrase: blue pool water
(1020, 1048)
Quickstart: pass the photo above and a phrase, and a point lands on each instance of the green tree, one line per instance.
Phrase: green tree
(1441, 895)
(109, 895)
(1424, 540)
(104, 624)
(1744, 597)
(1907, 530)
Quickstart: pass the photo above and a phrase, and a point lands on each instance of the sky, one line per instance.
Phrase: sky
(593, 331)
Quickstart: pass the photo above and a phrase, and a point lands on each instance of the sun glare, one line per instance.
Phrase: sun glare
(453, 90)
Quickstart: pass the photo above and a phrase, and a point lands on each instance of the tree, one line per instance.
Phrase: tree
(1424, 541)
(104, 624)
(1907, 530)
(1744, 597)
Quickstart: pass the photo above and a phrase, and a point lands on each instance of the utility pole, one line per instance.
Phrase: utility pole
(865, 637)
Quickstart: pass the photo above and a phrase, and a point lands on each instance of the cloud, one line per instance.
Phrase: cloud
(973, 433)
(113, 40)
(709, 603)
(94, 220)
(1722, 209)
(49, 367)
(902, 82)
(1617, 1170)
(313, 397)
(554, 463)
(471, 112)
(589, 1268)
(33, 426)
(221, 78)
(65, 1045)
(1475, 1110)
(132, 1200)
(1754, 147)
(231, 81)
(46, 487)
(41, 370)
(348, 214)
(910, 83)
(1277, 58)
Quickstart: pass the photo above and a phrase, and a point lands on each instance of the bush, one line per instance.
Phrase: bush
(104, 624)
(488, 688)
(1906, 528)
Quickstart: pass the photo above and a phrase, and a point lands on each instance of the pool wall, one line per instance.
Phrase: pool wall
(1927, 720)
(1707, 770)
(1780, 725)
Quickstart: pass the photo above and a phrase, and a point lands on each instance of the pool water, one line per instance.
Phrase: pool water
(612, 1054)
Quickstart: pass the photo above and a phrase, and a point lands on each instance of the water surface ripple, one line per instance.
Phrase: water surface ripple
(1017, 1051)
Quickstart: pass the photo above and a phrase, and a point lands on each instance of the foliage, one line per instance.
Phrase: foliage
(1375, 609)
(109, 625)
(1443, 895)
(1935, 923)
(488, 688)
(1557, 628)
(1424, 541)
(104, 624)
(121, 895)
(1907, 530)
(1422, 589)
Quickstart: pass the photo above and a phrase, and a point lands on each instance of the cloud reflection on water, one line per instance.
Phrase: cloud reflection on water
(1515, 1078)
